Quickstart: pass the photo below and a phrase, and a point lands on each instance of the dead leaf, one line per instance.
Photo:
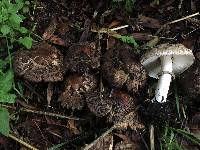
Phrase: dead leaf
(114, 23)
(149, 22)
(72, 126)
(142, 36)
(58, 32)
(131, 140)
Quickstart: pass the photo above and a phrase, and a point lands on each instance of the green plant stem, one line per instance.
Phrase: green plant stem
(9, 54)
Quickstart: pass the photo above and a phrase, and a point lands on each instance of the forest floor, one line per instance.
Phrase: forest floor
(82, 85)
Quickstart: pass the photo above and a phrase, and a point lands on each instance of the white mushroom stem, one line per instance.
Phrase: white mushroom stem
(164, 80)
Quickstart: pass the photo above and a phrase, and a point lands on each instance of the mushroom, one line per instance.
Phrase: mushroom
(120, 67)
(76, 87)
(82, 57)
(165, 61)
(43, 63)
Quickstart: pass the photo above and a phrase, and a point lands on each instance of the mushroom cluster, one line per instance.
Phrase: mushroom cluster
(121, 67)
(164, 62)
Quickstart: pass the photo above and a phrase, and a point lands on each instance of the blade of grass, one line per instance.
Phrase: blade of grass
(177, 101)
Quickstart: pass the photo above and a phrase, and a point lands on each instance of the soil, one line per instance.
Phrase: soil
(85, 83)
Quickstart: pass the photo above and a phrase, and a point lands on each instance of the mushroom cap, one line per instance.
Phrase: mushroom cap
(82, 57)
(76, 87)
(182, 58)
(42, 63)
(123, 104)
(99, 102)
(120, 67)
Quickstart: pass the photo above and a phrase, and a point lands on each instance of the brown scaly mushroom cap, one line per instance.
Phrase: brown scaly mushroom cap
(99, 103)
(121, 67)
(76, 87)
(42, 63)
(82, 57)
(122, 105)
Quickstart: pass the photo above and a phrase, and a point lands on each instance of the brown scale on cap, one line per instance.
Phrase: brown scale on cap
(119, 106)
(121, 67)
(82, 57)
(124, 110)
(43, 63)
(190, 80)
(99, 103)
(122, 105)
(76, 87)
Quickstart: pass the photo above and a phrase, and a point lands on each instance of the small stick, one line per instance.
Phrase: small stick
(118, 28)
(22, 142)
(41, 112)
(99, 138)
(184, 18)
(152, 142)
(108, 131)
(175, 21)
(50, 114)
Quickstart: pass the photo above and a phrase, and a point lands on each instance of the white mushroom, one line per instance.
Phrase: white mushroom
(165, 61)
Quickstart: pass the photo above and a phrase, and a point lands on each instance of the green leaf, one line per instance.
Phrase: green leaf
(1, 18)
(25, 9)
(26, 41)
(7, 97)
(14, 18)
(5, 29)
(129, 5)
(20, 87)
(4, 121)
(27, 3)
(6, 81)
(2, 63)
(128, 39)
(23, 30)
(58, 146)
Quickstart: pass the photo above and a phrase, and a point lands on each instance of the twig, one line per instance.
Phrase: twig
(184, 18)
(108, 131)
(175, 21)
(22, 142)
(152, 142)
(50, 114)
(145, 143)
(42, 112)
(99, 138)
(118, 28)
